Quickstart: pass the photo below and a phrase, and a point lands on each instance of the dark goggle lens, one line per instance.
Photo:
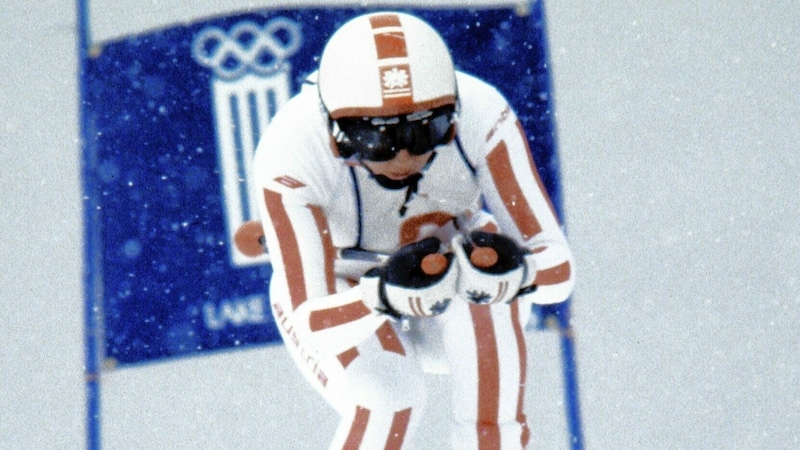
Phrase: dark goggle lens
(379, 139)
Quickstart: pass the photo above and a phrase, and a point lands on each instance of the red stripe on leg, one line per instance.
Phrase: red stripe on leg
(347, 356)
(398, 430)
(523, 372)
(389, 339)
(488, 377)
(357, 429)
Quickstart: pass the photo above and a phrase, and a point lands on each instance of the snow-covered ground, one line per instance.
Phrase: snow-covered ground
(679, 130)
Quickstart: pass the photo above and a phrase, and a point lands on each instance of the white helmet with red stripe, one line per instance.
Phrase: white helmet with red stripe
(385, 64)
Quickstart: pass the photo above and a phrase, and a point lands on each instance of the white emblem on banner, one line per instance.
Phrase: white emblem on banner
(251, 82)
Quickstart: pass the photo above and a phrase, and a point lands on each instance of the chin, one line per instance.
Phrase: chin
(399, 177)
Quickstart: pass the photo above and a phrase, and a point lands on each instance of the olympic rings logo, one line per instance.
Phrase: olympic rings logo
(247, 47)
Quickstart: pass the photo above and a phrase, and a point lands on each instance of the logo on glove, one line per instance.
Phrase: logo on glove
(481, 297)
(439, 307)
(478, 297)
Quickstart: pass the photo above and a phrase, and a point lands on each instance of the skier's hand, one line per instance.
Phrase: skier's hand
(492, 267)
(409, 284)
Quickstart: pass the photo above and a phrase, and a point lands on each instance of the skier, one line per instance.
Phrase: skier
(388, 150)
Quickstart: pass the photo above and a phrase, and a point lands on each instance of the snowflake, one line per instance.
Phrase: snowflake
(395, 78)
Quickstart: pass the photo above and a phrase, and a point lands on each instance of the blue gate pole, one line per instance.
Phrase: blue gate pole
(92, 281)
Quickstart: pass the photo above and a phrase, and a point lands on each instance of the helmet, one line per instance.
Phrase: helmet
(385, 64)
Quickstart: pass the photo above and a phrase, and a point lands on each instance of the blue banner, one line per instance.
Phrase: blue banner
(172, 118)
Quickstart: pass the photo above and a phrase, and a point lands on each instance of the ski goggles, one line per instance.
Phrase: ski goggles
(381, 138)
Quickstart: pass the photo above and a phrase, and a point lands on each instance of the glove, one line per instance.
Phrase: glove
(401, 288)
(499, 281)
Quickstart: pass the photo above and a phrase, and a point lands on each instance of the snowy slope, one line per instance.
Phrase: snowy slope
(679, 126)
(680, 140)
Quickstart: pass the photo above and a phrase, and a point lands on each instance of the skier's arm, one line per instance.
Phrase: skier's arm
(517, 198)
(303, 256)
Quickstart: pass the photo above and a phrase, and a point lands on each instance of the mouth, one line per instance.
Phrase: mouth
(397, 176)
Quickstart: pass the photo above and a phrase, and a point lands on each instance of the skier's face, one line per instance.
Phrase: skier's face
(402, 166)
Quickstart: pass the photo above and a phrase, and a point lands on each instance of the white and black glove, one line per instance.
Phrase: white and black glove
(401, 288)
(502, 280)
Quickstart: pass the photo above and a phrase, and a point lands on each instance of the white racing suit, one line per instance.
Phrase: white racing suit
(368, 367)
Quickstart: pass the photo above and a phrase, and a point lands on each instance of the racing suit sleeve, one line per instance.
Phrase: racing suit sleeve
(517, 198)
(324, 309)
(295, 176)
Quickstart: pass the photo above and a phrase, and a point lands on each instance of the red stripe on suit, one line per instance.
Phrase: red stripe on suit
(332, 317)
(499, 163)
(290, 251)
(488, 377)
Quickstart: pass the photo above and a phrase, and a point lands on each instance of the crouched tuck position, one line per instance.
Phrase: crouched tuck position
(408, 232)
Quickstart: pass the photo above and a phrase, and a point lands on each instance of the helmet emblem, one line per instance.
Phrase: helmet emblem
(396, 83)
(395, 78)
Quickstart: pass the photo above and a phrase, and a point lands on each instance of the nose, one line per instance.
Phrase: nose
(404, 157)
(410, 162)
